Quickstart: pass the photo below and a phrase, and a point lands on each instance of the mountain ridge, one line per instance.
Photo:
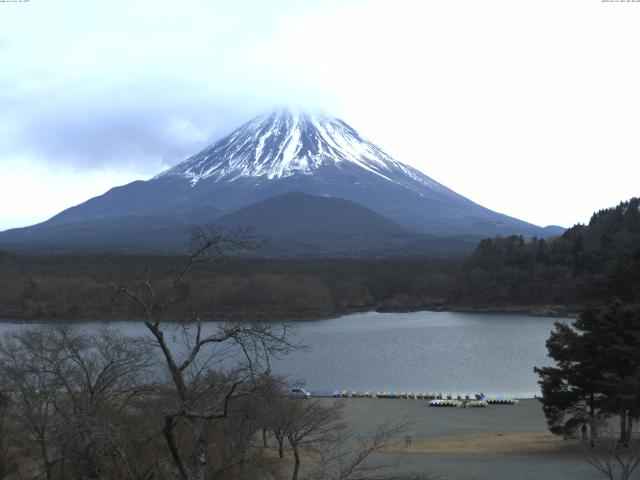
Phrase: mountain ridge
(285, 142)
(279, 153)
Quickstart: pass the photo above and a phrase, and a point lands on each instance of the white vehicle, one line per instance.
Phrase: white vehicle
(298, 392)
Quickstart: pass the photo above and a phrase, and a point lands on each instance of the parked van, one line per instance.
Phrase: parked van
(298, 392)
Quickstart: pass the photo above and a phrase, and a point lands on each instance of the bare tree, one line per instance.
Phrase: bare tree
(614, 459)
(207, 367)
(69, 392)
(274, 411)
(32, 391)
(103, 370)
(315, 430)
(309, 426)
(102, 374)
(4, 406)
(349, 456)
(268, 398)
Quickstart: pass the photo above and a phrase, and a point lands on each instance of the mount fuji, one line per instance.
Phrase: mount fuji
(270, 156)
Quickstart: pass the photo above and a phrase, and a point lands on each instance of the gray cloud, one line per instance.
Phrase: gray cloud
(108, 131)
(131, 127)
(141, 91)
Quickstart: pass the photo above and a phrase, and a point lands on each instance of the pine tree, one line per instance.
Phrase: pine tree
(571, 391)
(597, 370)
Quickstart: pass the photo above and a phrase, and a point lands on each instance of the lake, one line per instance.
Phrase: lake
(448, 352)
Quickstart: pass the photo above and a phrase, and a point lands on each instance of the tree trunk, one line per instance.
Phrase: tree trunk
(296, 465)
(264, 437)
(593, 427)
(200, 454)
(623, 427)
(280, 447)
(173, 447)
(45, 458)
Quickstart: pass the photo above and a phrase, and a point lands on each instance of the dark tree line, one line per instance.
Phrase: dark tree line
(567, 270)
(55, 287)
(503, 272)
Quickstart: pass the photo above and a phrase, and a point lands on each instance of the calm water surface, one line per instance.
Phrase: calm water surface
(418, 351)
(423, 351)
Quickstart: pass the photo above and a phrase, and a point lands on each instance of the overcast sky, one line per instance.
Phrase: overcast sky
(530, 108)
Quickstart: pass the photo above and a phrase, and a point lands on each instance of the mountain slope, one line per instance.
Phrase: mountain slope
(127, 233)
(298, 214)
(271, 155)
(305, 226)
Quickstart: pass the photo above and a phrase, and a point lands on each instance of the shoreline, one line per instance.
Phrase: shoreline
(548, 311)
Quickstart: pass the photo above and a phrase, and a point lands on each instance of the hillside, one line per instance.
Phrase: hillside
(571, 269)
(272, 155)
(298, 214)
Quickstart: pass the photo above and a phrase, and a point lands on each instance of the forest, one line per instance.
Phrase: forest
(552, 276)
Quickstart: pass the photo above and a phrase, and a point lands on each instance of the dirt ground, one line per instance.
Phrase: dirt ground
(487, 444)
(500, 442)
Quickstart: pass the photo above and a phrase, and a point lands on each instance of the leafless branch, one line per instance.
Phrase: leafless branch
(614, 460)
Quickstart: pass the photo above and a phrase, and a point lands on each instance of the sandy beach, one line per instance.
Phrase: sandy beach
(500, 442)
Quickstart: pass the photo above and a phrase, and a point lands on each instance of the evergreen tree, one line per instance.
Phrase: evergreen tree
(597, 370)
(616, 327)
(571, 393)
(624, 282)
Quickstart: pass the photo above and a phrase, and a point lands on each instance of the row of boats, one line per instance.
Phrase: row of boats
(383, 394)
(459, 403)
(478, 403)
(435, 399)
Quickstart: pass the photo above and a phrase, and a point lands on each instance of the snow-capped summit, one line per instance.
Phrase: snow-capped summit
(237, 179)
(290, 142)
